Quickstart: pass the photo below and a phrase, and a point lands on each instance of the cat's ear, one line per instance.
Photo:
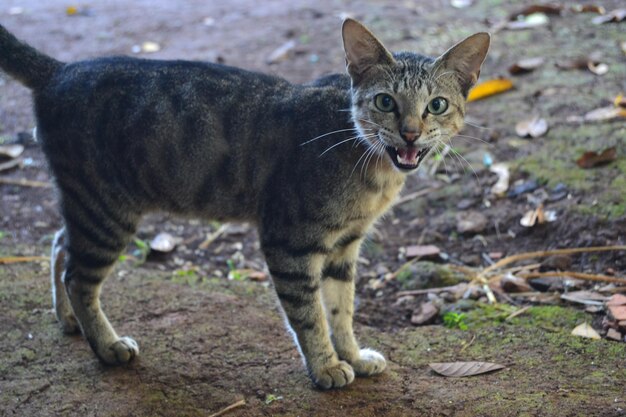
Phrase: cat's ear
(466, 58)
(363, 50)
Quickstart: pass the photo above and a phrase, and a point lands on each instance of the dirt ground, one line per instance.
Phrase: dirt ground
(207, 341)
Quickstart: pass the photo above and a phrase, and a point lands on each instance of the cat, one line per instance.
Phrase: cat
(313, 166)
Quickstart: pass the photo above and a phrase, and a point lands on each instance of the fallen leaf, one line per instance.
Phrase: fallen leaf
(616, 15)
(537, 8)
(620, 101)
(533, 127)
(585, 330)
(622, 46)
(588, 8)
(461, 369)
(425, 313)
(281, 53)
(511, 283)
(530, 21)
(591, 63)
(489, 88)
(585, 297)
(164, 243)
(502, 184)
(421, 251)
(604, 113)
(526, 65)
(11, 151)
(592, 159)
(537, 216)
(470, 222)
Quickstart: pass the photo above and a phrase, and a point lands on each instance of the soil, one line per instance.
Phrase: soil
(208, 341)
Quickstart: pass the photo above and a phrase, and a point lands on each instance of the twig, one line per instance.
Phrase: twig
(24, 182)
(541, 254)
(517, 313)
(17, 259)
(468, 345)
(229, 408)
(569, 274)
(213, 236)
(413, 196)
(425, 291)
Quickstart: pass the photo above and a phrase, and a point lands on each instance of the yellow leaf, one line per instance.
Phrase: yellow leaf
(71, 10)
(489, 88)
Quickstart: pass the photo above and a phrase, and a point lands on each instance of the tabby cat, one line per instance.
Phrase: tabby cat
(313, 166)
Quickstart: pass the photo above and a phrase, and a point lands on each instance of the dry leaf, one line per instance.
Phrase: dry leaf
(592, 159)
(605, 113)
(622, 46)
(616, 15)
(537, 8)
(489, 88)
(620, 101)
(421, 251)
(526, 65)
(537, 216)
(11, 151)
(533, 127)
(460, 369)
(588, 8)
(502, 185)
(164, 243)
(530, 21)
(511, 283)
(585, 330)
(585, 297)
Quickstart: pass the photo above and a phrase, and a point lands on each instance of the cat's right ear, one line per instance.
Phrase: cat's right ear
(363, 49)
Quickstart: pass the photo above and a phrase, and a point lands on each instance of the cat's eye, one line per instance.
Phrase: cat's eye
(437, 105)
(384, 102)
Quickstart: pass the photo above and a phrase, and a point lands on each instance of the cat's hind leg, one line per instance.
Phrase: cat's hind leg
(95, 234)
(338, 293)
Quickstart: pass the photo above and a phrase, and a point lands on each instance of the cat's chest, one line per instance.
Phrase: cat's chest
(376, 196)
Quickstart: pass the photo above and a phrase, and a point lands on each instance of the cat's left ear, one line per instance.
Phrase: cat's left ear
(466, 58)
(363, 49)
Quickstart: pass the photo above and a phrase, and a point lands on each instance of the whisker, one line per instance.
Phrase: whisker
(327, 134)
(458, 155)
(478, 126)
(472, 137)
(357, 137)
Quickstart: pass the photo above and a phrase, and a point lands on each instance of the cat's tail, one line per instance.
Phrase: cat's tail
(24, 63)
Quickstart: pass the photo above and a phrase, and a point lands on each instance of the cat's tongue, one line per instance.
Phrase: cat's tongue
(407, 156)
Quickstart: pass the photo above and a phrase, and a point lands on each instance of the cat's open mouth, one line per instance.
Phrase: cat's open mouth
(407, 158)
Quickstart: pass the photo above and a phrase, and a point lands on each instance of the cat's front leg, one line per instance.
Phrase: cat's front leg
(338, 292)
(297, 284)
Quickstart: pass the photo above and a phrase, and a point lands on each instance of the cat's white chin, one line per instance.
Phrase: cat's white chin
(407, 159)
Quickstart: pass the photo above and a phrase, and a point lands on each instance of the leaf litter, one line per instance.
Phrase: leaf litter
(464, 369)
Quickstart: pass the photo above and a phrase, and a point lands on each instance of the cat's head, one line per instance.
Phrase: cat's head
(405, 104)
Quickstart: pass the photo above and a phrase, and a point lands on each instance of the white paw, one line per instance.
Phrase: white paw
(370, 362)
(121, 351)
(334, 376)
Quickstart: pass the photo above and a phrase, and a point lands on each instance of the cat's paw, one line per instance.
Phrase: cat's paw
(121, 351)
(334, 376)
(369, 363)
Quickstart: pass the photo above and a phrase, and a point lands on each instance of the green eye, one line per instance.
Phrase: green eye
(384, 102)
(437, 105)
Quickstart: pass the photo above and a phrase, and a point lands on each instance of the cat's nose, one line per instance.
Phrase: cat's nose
(411, 135)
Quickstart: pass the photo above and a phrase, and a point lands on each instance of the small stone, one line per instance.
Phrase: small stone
(558, 262)
(614, 335)
(425, 313)
(617, 300)
(622, 324)
(471, 222)
(422, 251)
(618, 312)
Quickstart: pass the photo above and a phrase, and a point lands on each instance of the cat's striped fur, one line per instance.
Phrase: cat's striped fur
(126, 136)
